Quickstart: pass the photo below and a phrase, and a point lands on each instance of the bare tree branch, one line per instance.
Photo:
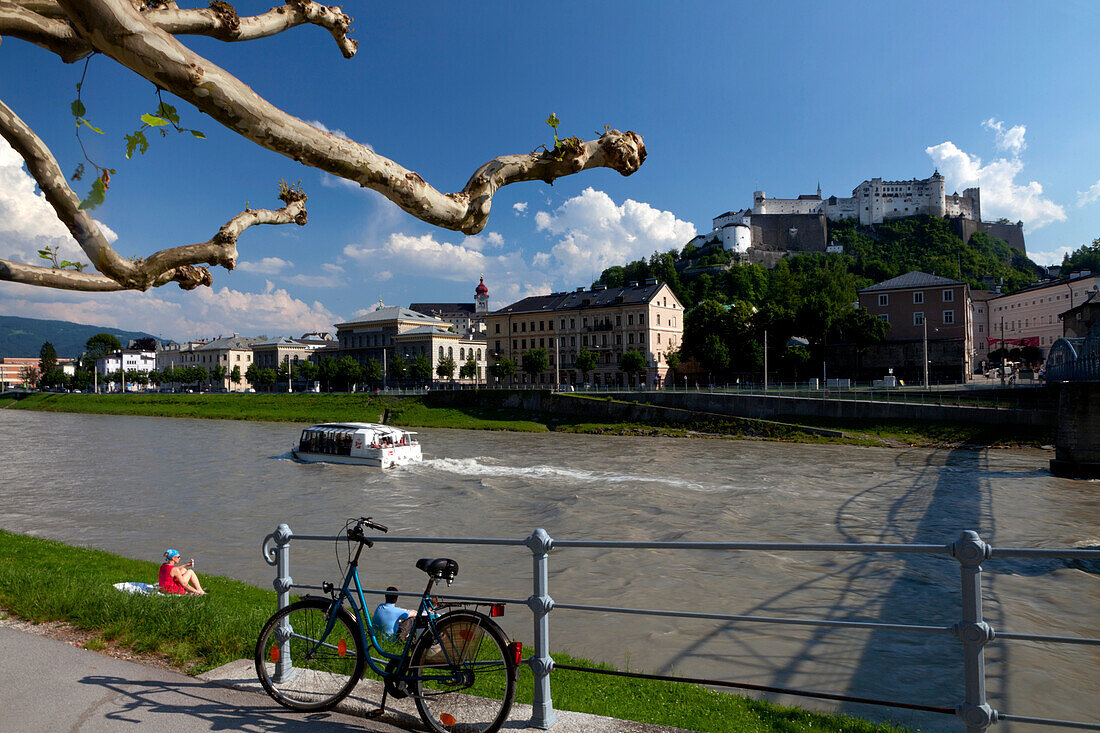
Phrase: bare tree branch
(227, 26)
(175, 264)
(114, 28)
(53, 35)
(42, 22)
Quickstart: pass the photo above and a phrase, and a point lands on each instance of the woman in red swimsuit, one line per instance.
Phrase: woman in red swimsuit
(179, 580)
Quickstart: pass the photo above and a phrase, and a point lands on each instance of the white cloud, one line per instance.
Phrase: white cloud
(171, 312)
(315, 281)
(594, 233)
(520, 208)
(1001, 195)
(383, 275)
(480, 242)
(423, 255)
(27, 221)
(1085, 198)
(1010, 140)
(1053, 257)
(266, 266)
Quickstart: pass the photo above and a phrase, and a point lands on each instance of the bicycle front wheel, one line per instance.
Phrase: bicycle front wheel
(465, 677)
(301, 666)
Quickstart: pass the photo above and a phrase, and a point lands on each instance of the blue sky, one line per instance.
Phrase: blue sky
(730, 98)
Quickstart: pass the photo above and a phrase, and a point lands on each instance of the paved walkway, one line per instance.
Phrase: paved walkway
(48, 685)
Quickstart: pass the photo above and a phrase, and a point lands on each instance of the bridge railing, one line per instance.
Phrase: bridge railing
(972, 629)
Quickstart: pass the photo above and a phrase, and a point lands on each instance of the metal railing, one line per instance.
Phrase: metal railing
(972, 630)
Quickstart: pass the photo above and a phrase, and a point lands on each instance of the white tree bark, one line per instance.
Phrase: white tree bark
(140, 35)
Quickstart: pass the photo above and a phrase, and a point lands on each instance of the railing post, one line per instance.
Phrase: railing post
(540, 603)
(284, 667)
(973, 632)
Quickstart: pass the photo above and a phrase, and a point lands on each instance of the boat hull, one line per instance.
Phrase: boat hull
(382, 458)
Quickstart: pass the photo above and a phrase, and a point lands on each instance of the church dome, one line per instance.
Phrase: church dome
(481, 289)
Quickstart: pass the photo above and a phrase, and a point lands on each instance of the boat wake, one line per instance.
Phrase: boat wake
(483, 466)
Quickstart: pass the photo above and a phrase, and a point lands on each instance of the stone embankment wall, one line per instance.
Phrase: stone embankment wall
(778, 407)
(688, 406)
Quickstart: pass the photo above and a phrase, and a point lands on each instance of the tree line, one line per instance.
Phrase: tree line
(731, 306)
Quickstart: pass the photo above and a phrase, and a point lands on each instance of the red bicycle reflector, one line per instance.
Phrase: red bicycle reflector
(496, 609)
(516, 648)
(342, 648)
(447, 719)
(274, 654)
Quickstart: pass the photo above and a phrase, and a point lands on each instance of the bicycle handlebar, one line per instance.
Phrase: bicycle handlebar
(356, 532)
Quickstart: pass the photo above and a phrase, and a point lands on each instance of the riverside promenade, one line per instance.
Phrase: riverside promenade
(48, 684)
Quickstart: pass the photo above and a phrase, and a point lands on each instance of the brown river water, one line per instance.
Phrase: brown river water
(213, 489)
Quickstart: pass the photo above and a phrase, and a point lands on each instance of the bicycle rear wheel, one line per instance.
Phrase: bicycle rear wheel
(301, 667)
(466, 679)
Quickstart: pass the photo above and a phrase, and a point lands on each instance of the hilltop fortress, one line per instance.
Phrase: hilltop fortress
(777, 226)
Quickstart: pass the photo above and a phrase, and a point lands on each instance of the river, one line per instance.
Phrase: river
(213, 489)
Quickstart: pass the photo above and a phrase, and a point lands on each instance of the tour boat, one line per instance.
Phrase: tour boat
(361, 443)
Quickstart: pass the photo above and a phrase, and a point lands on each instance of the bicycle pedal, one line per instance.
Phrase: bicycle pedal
(376, 713)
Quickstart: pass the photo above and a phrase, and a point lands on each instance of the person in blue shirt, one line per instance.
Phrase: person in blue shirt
(388, 616)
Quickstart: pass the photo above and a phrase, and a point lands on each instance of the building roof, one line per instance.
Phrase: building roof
(435, 308)
(229, 342)
(389, 313)
(913, 279)
(583, 299)
(427, 331)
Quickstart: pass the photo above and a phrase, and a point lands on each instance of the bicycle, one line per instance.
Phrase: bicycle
(456, 663)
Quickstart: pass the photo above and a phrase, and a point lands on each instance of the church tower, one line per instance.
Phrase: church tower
(481, 297)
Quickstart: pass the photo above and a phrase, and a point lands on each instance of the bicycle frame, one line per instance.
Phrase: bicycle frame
(368, 639)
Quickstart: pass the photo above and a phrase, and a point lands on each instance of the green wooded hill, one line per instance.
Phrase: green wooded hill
(731, 305)
(25, 336)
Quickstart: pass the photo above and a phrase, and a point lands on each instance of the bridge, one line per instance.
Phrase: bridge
(1073, 368)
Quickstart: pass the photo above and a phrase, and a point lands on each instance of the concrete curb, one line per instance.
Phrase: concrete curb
(241, 675)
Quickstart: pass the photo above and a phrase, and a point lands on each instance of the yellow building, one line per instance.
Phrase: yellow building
(644, 317)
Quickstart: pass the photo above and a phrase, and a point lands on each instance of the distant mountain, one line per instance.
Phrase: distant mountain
(25, 336)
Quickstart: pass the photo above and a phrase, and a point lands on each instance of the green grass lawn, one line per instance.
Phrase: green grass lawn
(485, 412)
(42, 580)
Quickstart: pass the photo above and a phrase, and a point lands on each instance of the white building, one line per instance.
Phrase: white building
(875, 201)
(126, 359)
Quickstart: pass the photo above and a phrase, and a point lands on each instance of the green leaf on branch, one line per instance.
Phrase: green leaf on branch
(197, 134)
(96, 197)
(168, 112)
(78, 108)
(136, 141)
(153, 120)
(81, 121)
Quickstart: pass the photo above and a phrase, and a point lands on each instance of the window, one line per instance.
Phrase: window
(630, 339)
(513, 328)
(572, 340)
(618, 320)
(524, 343)
(498, 328)
(440, 352)
(572, 323)
(584, 322)
(542, 325)
(884, 317)
(658, 319)
(948, 296)
(918, 297)
(948, 317)
(630, 319)
(884, 299)
(515, 345)
(918, 319)
(541, 342)
(523, 327)
(562, 325)
(532, 325)
(497, 345)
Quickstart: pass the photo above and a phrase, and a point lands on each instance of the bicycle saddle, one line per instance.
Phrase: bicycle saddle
(439, 568)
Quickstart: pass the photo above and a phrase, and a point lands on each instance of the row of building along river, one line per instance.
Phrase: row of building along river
(213, 489)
